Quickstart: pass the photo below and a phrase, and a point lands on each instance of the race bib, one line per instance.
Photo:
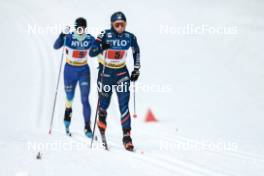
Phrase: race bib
(115, 54)
(79, 54)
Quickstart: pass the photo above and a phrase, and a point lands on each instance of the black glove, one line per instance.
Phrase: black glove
(105, 46)
(62, 35)
(134, 75)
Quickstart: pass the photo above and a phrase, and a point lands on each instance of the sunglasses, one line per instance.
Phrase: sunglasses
(122, 24)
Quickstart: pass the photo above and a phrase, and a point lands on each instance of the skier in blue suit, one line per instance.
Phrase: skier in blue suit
(111, 48)
(77, 45)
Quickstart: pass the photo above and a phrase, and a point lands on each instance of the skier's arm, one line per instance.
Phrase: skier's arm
(100, 45)
(95, 49)
(136, 55)
(136, 52)
(59, 42)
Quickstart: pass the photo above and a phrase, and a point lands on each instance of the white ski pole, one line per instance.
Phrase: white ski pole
(56, 91)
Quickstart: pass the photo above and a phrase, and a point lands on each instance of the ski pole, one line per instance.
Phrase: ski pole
(56, 91)
(98, 103)
(134, 99)
(95, 118)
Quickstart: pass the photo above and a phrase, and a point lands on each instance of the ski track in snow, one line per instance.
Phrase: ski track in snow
(164, 163)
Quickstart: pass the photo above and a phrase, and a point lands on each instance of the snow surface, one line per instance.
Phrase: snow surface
(215, 96)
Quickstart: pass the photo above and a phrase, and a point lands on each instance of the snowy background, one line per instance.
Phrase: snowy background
(208, 89)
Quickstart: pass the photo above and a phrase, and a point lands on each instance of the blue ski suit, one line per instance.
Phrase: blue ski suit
(76, 68)
(113, 70)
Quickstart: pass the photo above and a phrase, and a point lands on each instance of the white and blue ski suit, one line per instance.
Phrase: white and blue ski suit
(76, 68)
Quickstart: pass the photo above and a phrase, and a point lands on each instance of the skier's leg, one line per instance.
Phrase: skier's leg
(70, 82)
(105, 94)
(123, 100)
(123, 94)
(84, 81)
(104, 102)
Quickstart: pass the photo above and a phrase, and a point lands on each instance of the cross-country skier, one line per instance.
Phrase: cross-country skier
(77, 45)
(112, 46)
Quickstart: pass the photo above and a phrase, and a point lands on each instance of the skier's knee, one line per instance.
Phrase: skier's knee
(102, 112)
(68, 103)
(85, 101)
(123, 107)
(69, 96)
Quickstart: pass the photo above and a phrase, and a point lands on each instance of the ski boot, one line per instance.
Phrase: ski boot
(101, 122)
(127, 141)
(67, 120)
(88, 131)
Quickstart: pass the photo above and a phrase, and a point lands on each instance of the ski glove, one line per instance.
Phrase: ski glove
(134, 75)
(66, 31)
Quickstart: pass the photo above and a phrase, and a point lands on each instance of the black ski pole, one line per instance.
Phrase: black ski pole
(98, 103)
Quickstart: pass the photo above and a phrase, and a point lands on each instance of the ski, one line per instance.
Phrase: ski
(104, 142)
(68, 133)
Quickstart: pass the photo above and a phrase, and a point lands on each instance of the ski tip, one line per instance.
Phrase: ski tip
(49, 131)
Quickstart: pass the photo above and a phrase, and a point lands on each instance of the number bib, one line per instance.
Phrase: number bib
(76, 57)
(115, 58)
